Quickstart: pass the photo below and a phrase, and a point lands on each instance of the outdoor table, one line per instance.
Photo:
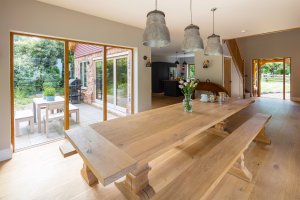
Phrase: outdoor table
(40, 103)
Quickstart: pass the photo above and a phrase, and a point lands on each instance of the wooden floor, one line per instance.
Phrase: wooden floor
(42, 173)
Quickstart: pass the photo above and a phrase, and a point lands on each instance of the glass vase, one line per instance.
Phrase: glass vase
(187, 103)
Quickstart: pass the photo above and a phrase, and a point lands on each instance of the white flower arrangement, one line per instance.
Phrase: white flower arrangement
(187, 87)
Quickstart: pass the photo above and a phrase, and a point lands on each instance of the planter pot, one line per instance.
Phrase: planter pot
(50, 98)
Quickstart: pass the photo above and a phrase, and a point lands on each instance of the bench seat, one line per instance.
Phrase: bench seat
(206, 170)
(94, 148)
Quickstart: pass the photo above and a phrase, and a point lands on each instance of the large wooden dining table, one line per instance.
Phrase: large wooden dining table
(147, 135)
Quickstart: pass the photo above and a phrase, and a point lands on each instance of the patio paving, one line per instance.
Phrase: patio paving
(88, 115)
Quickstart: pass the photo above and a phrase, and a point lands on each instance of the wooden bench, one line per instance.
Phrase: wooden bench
(22, 116)
(94, 148)
(74, 109)
(206, 169)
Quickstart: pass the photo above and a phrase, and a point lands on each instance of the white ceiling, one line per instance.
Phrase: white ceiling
(232, 16)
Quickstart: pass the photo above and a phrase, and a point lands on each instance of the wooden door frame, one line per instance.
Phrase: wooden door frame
(66, 76)
(263, 61)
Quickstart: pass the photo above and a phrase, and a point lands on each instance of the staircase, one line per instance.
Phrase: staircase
(237, 59)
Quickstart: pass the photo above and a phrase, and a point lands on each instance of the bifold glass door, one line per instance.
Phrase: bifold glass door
(119, 80)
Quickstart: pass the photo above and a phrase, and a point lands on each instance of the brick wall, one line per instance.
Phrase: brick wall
(89, 92)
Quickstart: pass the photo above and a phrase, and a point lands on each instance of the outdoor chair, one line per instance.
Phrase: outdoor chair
(51, 116)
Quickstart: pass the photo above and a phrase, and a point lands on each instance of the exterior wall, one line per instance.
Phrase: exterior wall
(89, 92)
(30, 16)
(282, 44)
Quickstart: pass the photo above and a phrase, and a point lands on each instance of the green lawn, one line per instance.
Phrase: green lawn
(274, 85)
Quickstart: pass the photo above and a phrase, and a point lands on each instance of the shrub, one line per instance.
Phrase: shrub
(47, 85)
(49, 91)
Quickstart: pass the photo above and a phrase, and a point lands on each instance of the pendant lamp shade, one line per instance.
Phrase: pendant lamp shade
(192, 40)
(156, 33)
(214, 46)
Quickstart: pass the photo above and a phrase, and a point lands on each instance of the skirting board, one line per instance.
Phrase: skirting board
(295, 98)
(5, 154)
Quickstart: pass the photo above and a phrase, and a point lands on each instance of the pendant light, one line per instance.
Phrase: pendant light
(214, 46)
(184, 62)
(176, 62)
(192, 40)
(156, 33)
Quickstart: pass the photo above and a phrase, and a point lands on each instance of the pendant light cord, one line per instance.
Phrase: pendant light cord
(191, 11)
(213, 10)
(155, 4)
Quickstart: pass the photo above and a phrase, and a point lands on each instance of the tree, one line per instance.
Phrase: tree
(35, 62)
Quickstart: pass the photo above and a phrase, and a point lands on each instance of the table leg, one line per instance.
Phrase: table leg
(34, 111)
(77, 116)
(88, 175)
(39, 118)
(136, 185)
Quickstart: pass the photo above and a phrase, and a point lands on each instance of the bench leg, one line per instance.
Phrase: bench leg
(17, 128)
(136, 185)
(240, 170)
(88, 175)
(262, 137)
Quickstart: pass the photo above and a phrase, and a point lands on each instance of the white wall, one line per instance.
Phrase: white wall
(168, 59)
(236, 82)
(236, 79)
(215, 70)
(34, 17)
(282, 44)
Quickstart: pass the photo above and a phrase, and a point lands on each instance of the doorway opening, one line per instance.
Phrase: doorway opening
(271, 78)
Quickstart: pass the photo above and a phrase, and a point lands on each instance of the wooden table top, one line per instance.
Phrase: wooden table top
(41, 100)
(146, 135)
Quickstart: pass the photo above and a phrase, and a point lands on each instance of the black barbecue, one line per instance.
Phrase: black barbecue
(75, 90)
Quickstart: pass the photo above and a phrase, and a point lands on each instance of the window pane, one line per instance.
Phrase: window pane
(99, 83)
(84, 75)
(192, 71)
(122, 82)
(110, 81)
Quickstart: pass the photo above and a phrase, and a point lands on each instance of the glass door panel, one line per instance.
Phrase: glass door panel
(99, 80)
(118, 81)
(38, 90)
(121, 81)
(85, 84)
(110, 81)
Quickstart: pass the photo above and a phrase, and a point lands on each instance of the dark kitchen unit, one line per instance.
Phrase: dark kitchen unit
(163, 74)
